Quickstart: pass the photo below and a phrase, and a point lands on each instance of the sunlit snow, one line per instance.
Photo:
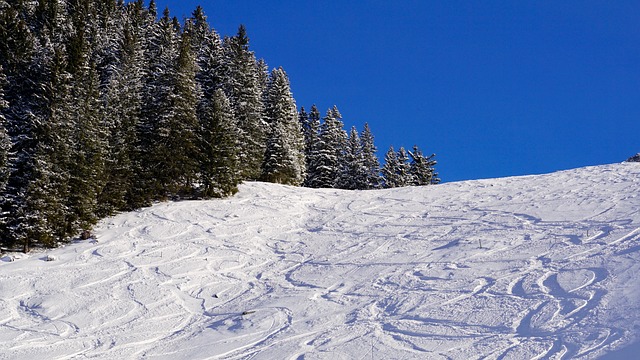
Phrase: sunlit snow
(517, 268)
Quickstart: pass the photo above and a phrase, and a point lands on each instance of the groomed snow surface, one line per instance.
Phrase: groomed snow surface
(535, 267)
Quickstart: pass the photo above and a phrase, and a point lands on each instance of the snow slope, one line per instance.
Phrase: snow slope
(516, 268)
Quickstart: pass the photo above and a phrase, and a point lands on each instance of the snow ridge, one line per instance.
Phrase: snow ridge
(529, 267)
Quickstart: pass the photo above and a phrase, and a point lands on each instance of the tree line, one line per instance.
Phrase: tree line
(108, 106)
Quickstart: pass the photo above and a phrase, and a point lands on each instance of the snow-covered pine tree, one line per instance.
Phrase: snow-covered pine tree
(327, 151)
(89, 149)
(56, 148)
(370, 160)
(140, 23)
(303, 119)
(284, 161)
(422, 168)
(207, 46)
(352, 173)
(396, 170)
(311, 130)
(157, 110)
(242, 86)
(31, 206)
(183, 152)
(124, 103)
(88, 139)
(263, 81)
(199, 29)
(218, 140)
(107, 28)
(390, 169)
(405, 177)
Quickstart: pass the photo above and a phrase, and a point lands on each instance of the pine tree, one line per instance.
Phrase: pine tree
(263, 79)
(422, 168)
(327, 151)
(311, 130)
(396, 171)
(404, 168)
(182, 144)
(31, 206)
(242, 86)
(106, 30)
(284, 161)
(218, 139)
(140, 23)
(89, 149)
(303, 119)
(207, 46)
(157, 109)
(391, 170)
(352, 173)
(124, 101)
(370, 160)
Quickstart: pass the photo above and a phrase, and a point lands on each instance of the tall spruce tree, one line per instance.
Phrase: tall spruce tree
(311, 130)
(327, 151)
(371, 164)
(390, 169)
(404, 168)
(352, 173)
(30, 205)
(242, 86)
(88, 141)
(210, 57)
(137, 51)
(284, 160)
(183, 123)
(124, 101)
(218, 139)
(157, 110)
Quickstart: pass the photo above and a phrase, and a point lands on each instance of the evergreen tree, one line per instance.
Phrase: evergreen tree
(352, 173)
(124, 101)
(396, 171)
(106, 29)
(284, 157)
(370, 160)
(182, 148)
(263, 79)
(311, 129)
(218, 139)
(157, 107)
(242, 86)
(405, 178)
(390, 169)
(303, 119)
(207, 46)
(422, 168)
(31, 206)
(89, 147)
(327, 151)
(140, 23)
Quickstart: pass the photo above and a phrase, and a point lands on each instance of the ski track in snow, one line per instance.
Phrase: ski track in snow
(535, 267)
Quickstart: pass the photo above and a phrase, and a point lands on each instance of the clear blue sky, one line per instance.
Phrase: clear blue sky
(494, 88)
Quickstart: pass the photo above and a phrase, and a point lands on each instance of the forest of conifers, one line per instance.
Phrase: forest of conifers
(108, 106)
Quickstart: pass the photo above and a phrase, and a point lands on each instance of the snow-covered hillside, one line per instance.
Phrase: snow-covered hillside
(516, 268)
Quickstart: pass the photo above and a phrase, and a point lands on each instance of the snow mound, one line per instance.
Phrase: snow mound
(528, 267)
